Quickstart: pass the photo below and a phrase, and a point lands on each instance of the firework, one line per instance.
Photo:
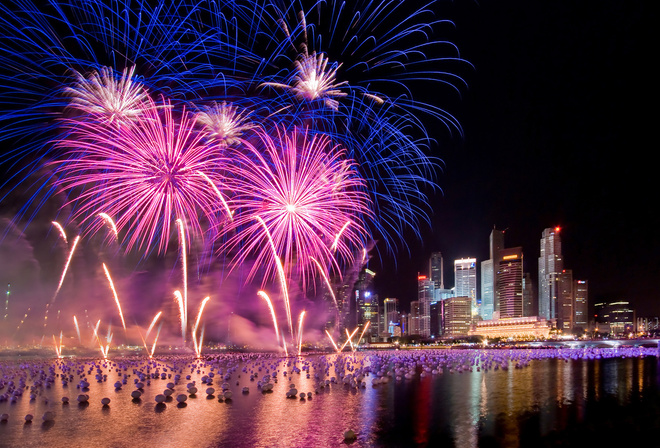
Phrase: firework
(332, 341)
(295, 193)
(109, 99)
(147, 175)
(312, 80)
(60, 229)
(182, 314)
(300, 331)
(75, 323)
(198, 343)
(111, 223)
(224, 123)
(114, 293)
(264, 296)
(184, 273)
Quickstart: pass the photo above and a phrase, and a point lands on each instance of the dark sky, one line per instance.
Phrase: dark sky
(558, 120)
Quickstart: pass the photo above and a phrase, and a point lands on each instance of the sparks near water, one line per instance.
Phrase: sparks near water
(114, 294)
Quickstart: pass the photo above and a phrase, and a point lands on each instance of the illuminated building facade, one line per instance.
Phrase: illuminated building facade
(523, 328)
(510, 283)
(436, 270)
(465, 277)
(581, 307)
(550, 265)
(425, 292)
(489, 275)
(389, 317)
(457, 316)
(619, 315)
(413, 318)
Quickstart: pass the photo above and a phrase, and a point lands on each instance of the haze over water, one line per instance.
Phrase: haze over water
(545, 400)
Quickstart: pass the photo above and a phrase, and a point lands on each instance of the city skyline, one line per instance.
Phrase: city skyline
(555, 135)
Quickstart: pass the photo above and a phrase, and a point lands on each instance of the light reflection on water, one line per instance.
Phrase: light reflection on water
(473, 408)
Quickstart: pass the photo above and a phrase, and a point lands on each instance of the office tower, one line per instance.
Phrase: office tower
(550, 265)
(389, 317)
(509, 281)
(529, 296)
(465, 277)
(581, 308)
(413, 318)
(368, 314)
(436, 267)
(436, 319)
(565, 300)
(425, 292)
(362, 296)
(457, 316)
(489, 275)
(618, 316)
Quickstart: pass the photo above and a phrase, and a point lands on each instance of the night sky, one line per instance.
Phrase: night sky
(557, 121)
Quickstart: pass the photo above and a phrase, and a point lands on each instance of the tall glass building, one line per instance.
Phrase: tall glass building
(465, 277)
(550, 266)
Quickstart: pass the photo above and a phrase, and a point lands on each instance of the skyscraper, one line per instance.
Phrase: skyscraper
(510, 283)
(465, 277)
(529, 296)
(425, 290)
(550, 265)
(389, 317)
(489, 275)
(565, 301)
(581, 308)
(436, 266)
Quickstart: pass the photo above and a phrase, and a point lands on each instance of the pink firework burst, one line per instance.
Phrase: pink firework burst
(294, 193)
(103, 95)
(149, 173)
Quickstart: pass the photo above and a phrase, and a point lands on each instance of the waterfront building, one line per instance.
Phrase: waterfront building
(437, 319)
(457, 316)
(436, 270)
(510, 283)
(581, 308)
(550, 265)
(364, 306)
(619, 316)
(522, 328)
(388, 317)
(413, 318)
(529, 296)
(425, 292)
(565, 300)
(489, 275)
(648, 325)
(465, 278)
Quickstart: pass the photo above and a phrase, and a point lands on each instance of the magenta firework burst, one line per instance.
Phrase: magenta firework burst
(299, 199)
(146, 174)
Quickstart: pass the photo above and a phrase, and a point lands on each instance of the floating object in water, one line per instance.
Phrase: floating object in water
(48, 416)
(105, 401)
(350, 435)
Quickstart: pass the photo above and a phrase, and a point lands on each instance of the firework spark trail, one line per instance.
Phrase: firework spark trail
(184, 273)
(75, 323)
(350, 336)
(114, 293)
(198, 345)
(327, 282)
(95, 330)
(153, 322)
(300, 331)
(153, 347)
(111, 223)
(58, 348)
(280, 270)
(362, 333)
(264, 296)
(336, 241)
(66, 268)
(179, 299)
(333, 341)
(59, 227)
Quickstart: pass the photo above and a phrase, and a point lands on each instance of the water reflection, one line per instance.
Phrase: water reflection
(478, 404)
